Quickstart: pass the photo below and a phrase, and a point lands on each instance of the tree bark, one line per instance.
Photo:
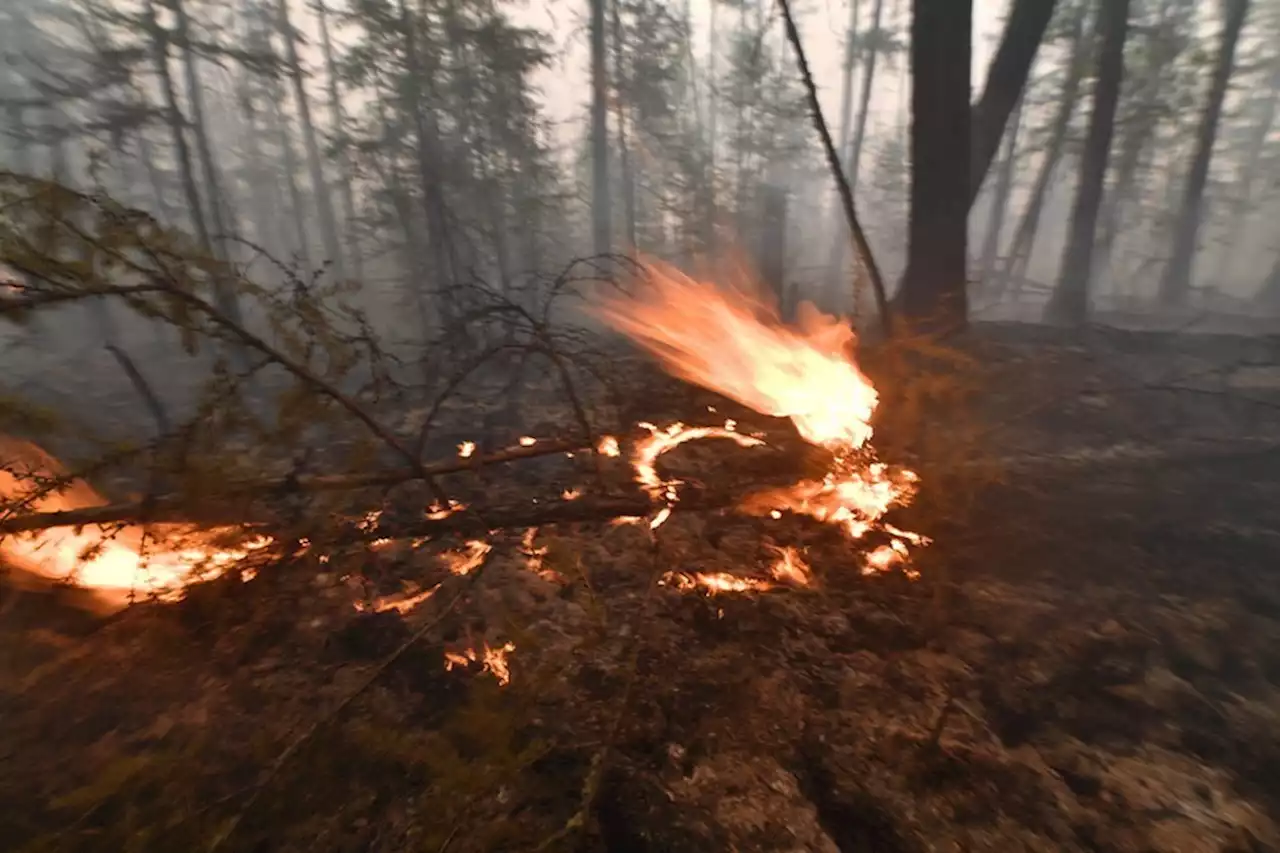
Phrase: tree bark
(1069, 304)
(1175, 285)
(1023, 32)
(319, 189)
(934, 294)
(601, 208)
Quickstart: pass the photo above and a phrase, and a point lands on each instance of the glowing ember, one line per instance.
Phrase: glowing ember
(120, 565)
(468, 559)
(466, 449)
(608, 446)
(435, 512)
(527, 441)
(492, 660)
(791, 568)
(736, 345)
(571, 494)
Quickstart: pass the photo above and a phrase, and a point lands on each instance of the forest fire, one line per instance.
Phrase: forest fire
(737, 346)
(131, 562)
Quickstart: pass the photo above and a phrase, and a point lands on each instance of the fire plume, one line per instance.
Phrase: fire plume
(736, 345)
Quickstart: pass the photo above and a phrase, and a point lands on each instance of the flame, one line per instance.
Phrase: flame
(608, 446)
(527, 441)
(401, 603)
(466, 448)
(713, 582)
(706, 337)
(736, 345)
(467, 559)
(791, 568)
(492, 660)
(534, 555)
(121, 565)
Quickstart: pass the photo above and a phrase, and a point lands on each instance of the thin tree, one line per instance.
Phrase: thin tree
(1176, 282)
(933, 292)
(1024, 236)
(1070, 301)
(601, 210)
(1000, 197)
(347, 193)
(319, 189)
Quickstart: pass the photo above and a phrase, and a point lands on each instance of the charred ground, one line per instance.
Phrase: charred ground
(1088, 662)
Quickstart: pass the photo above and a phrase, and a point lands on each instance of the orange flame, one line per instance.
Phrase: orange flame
(120, 565)
(736, 345)
(492, 660)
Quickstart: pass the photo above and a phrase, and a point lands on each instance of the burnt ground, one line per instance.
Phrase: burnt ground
(1089, 662)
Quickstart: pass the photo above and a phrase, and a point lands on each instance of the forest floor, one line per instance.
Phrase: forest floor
(1090, 661)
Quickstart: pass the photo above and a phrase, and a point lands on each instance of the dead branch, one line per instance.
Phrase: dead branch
(861, 247)
(173, 505)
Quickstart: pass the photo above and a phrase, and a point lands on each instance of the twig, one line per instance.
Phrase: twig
(860, 244)
(296, 745)
(175, 503)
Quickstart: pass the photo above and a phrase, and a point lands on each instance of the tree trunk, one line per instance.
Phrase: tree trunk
(347, 194)
(601, 209)
(297, 203)
(933, 292)
(1137, 134)
(1175, 285)
(1000, 198)
(1023, 32)
(200, 128)
(1020, 249)
(319, 189)
(177, 124)
(624, 146)
(428, 157)
(1069, 304)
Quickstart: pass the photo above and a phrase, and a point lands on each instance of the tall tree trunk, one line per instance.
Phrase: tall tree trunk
(346, 192)
(934, 292)
(1023, 32)
(177, 123)
(627, 175)
(1024, 237)
(1000, 198)
(200, 130)
(601, 209)
(707, 190)
(1175, 285)
(279, 127)
(319, 189)
(264, 192)
(1069, 304)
